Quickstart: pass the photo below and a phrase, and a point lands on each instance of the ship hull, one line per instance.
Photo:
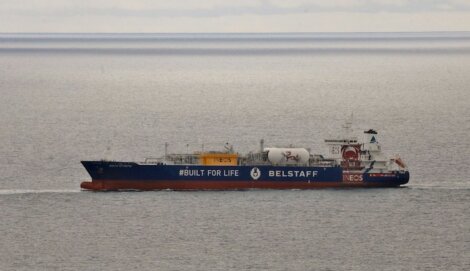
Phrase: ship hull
(108, 175)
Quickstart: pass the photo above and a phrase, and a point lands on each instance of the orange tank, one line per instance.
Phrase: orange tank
(218, 159)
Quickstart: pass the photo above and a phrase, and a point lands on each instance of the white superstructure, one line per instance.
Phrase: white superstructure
(361, 156)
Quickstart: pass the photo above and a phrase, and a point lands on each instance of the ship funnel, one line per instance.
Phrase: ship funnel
(370, 136)
(371, 142)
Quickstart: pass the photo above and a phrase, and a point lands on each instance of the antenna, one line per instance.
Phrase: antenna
(107, 153)
(166, 150)
(347, 126)
(228, 147)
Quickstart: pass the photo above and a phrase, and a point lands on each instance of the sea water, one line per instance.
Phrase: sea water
(71, 97)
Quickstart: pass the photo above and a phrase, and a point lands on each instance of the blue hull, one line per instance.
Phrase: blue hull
(108, 175)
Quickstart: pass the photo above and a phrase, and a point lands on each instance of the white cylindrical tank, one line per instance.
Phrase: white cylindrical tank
(289, 156)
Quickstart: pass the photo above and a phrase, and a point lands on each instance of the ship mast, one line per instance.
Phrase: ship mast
(347, 127)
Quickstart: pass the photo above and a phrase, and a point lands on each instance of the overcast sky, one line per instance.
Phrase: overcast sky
(233, 16)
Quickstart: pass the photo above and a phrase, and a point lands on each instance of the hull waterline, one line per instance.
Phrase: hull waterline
(114, 185)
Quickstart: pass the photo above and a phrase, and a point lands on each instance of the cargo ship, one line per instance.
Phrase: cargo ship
(349, 163)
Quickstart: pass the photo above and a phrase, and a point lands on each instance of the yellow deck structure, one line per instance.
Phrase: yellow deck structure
(218, 159)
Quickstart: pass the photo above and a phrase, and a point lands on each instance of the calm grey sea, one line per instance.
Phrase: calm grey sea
(69, 97)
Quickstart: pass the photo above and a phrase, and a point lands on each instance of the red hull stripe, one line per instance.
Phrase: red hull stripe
(214, 185)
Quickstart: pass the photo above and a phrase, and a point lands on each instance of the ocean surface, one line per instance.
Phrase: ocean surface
(71, 97)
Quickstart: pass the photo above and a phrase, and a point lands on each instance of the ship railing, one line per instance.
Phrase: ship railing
(255, 163)
(153, 160)
(323, 163)
(352, 140)
(183, 159)
(318, 160)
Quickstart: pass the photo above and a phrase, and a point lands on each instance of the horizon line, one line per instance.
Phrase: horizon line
(292, 32)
